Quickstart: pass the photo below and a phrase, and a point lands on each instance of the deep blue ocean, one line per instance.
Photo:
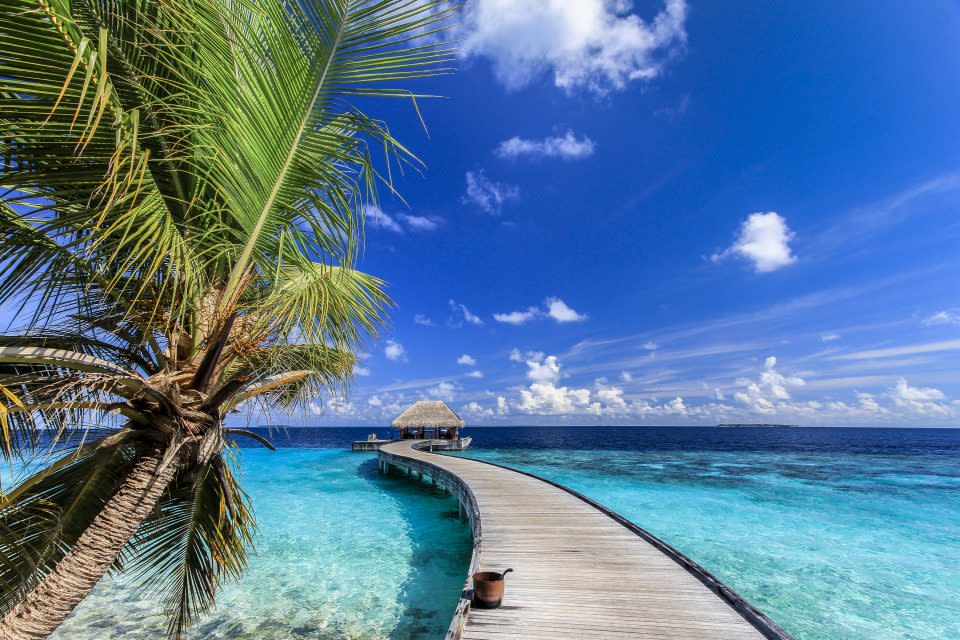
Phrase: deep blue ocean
(838, 534)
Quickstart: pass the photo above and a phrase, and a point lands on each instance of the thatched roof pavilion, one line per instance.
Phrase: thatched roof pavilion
(428, 418)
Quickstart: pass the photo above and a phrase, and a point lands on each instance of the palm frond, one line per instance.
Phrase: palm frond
(198, 538)
(45, 513)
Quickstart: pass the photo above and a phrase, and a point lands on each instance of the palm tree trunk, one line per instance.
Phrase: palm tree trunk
(51, 601)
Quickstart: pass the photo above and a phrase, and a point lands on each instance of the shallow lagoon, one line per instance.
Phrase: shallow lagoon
(342, 553)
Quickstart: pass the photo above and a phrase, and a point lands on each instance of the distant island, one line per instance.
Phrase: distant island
(737, 424)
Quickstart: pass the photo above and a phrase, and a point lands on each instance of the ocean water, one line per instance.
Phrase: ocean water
(838, 534)
(342, 553)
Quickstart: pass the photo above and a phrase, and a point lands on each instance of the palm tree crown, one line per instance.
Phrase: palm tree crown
(181, 184)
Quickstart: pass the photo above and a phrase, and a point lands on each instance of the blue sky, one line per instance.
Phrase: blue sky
(681, 213)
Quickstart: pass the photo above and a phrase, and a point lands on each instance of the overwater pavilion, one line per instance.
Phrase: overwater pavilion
(428, 419)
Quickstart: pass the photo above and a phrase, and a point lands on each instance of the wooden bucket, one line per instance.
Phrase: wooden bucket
(488, 589)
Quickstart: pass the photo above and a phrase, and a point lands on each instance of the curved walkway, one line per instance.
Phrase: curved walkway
(580, 570)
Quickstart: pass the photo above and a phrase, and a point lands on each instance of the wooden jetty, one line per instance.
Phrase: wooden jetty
(580, 570)
(369, 445)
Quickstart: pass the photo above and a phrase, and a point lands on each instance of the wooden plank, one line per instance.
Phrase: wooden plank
(580, 570)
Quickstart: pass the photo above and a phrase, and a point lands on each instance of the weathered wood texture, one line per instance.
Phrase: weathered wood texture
(580, 570)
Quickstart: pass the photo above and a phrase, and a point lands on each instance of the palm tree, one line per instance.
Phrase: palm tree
(181, 189)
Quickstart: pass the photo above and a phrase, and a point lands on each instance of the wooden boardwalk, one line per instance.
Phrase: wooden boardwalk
(580, 571)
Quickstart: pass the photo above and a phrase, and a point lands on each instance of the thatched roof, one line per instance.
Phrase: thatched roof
(428, 413)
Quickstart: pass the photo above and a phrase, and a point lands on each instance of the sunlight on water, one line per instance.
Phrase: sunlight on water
(839, 547)
(342, 553)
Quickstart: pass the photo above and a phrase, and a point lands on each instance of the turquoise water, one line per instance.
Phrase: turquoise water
(342, 553)
(837, 534)
(832, 546)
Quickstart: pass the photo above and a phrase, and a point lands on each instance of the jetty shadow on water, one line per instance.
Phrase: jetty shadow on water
(440, 548)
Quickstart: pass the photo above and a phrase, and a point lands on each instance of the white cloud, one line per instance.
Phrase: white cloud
(359, 370)
(461, 309)
(395, 351)
(542, 369)
(333, 405)
(420, 223)
(444, 391)
(597, 45)
(611, 398)
(475, 374)
(764, 239)
(910, 349)
(546, 398)
(626, 376)
(829, 337)
(650, 346)
(554, 308)
(772, 388)
(561, 312)
(476, 409)
(921, 400)
(566, 146)
(377, 218)
(423, 320)
(943, 317)
(517, 317)
(467, 359)
(487, 194)
(502, 408)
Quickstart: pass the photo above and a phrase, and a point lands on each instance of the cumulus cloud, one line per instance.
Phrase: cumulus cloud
(488, 194)
(476, 409)
(467, 360)
(943, 318)
(611, 398)
(463, 314)
(567, 146)
(626, 376)
(923, 400)
(543, 369)
(650, 346)
(359, 370)
(596, 45)
(444, 391)
(763, 395)
(561, 312)
(395, 351)
(517, 317)
(554, 308)
(334, 405)
(502, 408)
(475, 374)
(423, 320)
(764, 239)
(545, 398)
